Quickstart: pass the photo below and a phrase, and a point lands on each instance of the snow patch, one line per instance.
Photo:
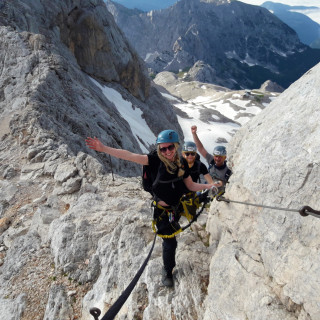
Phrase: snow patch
(132, 114)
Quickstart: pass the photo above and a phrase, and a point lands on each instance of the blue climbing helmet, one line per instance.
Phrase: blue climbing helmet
(167, 136)
(189, 146)
(220, 151)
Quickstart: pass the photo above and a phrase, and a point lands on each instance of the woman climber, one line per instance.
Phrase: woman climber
(173, 175)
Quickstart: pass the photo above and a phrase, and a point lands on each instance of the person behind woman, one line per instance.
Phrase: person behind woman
(197, 168)
(167, 196)
(219, 170)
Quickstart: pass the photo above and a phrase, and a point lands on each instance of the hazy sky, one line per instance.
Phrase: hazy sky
(312, 14)
(315, 3)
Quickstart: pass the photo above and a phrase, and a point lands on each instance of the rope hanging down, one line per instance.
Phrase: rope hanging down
(304, 211)
(115, 308)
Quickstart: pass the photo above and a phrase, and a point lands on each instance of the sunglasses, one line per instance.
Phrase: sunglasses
(190, 154)
(169, 148)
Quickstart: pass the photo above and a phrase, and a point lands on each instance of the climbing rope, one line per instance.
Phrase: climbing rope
(115, 308)
(304, 211)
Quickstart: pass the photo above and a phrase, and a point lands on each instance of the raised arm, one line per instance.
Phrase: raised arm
(197, 141)
(96, 144)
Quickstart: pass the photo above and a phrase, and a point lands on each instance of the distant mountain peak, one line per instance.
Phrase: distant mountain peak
(241, 45)
(307, 29)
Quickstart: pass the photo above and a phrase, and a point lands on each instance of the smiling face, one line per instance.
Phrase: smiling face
(190, 157)
(168, 150)
(219, 160)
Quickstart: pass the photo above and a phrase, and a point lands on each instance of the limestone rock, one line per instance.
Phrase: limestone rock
(271, 87)
(50, 52)
(265, 259)
(58, 306)
(73, 234)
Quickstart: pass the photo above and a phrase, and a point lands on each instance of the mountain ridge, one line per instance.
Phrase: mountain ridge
(247, 44)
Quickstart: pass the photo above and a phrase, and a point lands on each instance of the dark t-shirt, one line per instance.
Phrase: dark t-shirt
(198, 168)
(170, 192)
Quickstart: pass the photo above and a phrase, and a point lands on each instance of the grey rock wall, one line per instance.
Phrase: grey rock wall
(266, 262)
(52, 188)
(89, 31)
(43, 84)
(72, 235)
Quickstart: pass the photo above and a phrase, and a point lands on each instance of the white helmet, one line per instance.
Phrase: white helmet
(219, 151)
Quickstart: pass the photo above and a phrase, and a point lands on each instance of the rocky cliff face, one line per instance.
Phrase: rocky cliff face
(266, 262)
(50, 52)
(239, 45)
(88, 31)
(72, 235)
(146, 5)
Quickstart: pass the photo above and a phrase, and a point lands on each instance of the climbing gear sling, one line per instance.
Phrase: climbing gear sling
(115, 308)
(173, 217)
(303, 211)
(188, 206)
